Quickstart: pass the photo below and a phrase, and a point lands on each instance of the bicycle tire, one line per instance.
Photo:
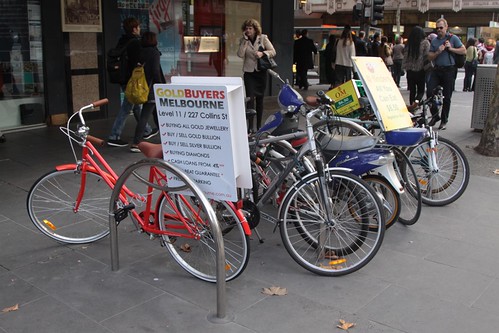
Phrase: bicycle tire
(50, 205)
(332, 248)
(390, 199)
(200, 258)
(442, 187)
(411, 199)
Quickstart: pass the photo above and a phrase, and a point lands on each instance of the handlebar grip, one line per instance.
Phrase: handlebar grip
(312, 100)
(95, 141)
(100, 102)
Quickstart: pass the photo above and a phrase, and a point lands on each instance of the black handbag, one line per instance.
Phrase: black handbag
(265, 62)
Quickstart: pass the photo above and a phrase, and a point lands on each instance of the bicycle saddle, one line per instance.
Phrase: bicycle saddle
(151, 150)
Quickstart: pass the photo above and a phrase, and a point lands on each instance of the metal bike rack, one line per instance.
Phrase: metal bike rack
(221, 313)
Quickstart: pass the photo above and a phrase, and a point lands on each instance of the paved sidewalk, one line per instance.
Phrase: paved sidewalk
(439, 275)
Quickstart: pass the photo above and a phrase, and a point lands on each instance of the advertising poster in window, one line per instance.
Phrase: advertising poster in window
(81, 16)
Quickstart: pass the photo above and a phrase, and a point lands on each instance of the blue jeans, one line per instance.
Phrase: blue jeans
(119, 122)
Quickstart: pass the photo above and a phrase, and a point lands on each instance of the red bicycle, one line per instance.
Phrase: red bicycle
(71, 205)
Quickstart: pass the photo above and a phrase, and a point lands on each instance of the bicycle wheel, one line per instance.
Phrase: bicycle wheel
(346, 242)
(390, 199)
(197, 254)
(445, 180)
(51, 202)
(411, 198)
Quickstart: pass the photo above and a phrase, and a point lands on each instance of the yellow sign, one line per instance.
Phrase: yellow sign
(430, 24)
(345, 98)
(386, 100)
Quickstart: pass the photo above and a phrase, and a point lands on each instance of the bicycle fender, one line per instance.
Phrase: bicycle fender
(242, 218)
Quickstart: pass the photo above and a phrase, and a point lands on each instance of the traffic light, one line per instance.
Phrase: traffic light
(378, 8)
(357, 12)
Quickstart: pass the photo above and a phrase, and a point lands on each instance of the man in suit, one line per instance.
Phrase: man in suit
(303, 51)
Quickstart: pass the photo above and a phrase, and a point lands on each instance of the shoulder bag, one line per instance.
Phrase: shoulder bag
(265, 62)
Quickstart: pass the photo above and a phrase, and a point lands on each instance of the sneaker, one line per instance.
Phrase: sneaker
(153, 133)
(117, 143)
(134, 149)
(443, 126)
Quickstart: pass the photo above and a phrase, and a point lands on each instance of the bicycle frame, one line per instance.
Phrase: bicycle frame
(99, 165)
(308, 147)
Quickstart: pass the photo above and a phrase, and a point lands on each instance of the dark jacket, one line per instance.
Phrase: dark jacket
(303, 49)
(133, 51)
(360, 47)
(150, 56)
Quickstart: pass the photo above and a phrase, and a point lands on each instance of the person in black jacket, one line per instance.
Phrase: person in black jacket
(149, 57)
(330, 58)
(360, 45)
(304, 48)
(131, 38)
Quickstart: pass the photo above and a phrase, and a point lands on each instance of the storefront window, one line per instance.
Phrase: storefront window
(21, 78)
(196, 38)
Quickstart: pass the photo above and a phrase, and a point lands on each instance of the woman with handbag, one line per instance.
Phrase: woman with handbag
(253, 46)
(149, 57)
(415, 54)
(470, 64)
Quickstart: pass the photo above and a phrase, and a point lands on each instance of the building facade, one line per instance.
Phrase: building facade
(466, 18)
(53, 53)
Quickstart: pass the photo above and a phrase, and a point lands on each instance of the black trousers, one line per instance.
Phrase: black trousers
(416, 84)
(445, 77)
(301, 75)
(255, 84)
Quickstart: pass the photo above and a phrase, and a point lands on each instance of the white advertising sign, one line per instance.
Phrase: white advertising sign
(197, 136)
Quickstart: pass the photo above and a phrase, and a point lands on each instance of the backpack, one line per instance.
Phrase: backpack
(137, 89)
(459, 59)
(488, 57)
(117, 64)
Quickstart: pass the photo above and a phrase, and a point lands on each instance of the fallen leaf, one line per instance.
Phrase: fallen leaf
(277, 291)
(496, 171)
(345, 325)
(12, 308)
(186, 248)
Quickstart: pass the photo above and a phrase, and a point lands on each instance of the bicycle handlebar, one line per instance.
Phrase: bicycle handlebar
(100, 102)
(95, 141)
(95, 104)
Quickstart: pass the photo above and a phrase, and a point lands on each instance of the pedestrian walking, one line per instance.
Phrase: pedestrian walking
(303, 51)
(398, 57)
(131, 39)
(345, 50)
(330, 58)
(470, 64)
(442, 50)
(415, 52)
(385, 52)
(150, 58)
